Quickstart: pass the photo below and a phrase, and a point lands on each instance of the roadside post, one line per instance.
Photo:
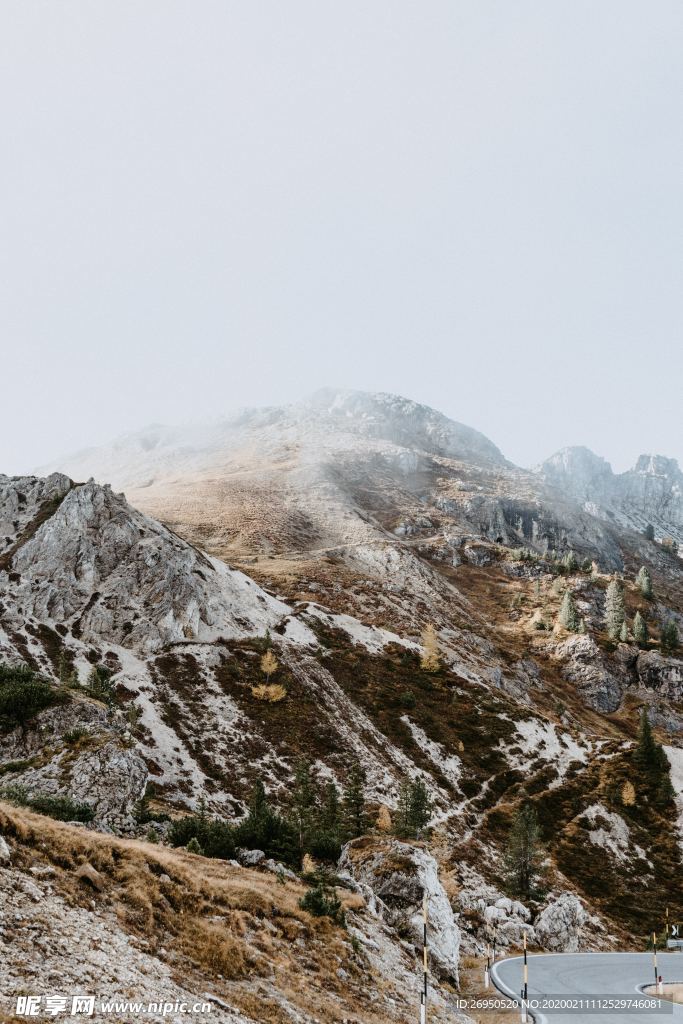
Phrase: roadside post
(654, 957)
(423, 993)
(525, 984)
(488, 966)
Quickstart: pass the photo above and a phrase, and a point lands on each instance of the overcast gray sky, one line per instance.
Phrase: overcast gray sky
(213, 204)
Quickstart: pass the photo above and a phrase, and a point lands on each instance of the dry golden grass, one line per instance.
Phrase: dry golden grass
(206, 917)
(273, 693)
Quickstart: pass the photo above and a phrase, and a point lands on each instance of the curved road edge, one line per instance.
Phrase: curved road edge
(507, 991)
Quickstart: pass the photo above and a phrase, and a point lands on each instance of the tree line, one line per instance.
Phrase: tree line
(318, 819)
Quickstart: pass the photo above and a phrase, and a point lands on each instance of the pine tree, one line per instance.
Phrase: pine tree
(614, 609)
(414, 809)
(384, 823)
(569, 617)
(669, 638)
(623, 632)
(640, 630)
(649, 532)
(650, 757)
(269, 664)
(645, 755)
(330, 815)
(644, 581)
(304, 799)
(355, 818)
(628, 794)
(402, 816)
(430, 660)
(570, 562)
(420, 807)
(523, 854)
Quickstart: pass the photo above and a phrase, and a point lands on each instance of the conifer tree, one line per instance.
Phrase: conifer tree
(649, 532)
(646, 755)
(330, 815)
(304, 799)
(623, 632)
(669, 638)
(614, 609)
(402, 817)
(650, 757)
(384, 823)
(569, 617)
(430, 659)
(414, 809)
(644, 581)
(420, 807)
(628, 794)
(640, 631)
(355, 818)
(523, 854)
(269, 664)
(570, 562)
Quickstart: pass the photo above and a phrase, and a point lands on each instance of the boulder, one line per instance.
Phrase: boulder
(5, 853)
(250, 858)
(395, 877)
(665, 675)
(87, 873)
(559, 925)
(597, 681)
(277, 868)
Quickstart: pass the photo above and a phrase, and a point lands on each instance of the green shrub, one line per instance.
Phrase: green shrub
(62, 808)
(407, 699)
(100, 685)
(322, 901)
(23, 694)
(214, 837)
(324, 846)
(74, 735)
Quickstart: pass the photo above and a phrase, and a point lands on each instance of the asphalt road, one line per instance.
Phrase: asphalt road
(592, 975)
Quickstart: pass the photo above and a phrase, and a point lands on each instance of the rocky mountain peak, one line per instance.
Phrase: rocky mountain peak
(576, 471)
(658, 465)
(81, 557)
(400, 421)
(651, 492)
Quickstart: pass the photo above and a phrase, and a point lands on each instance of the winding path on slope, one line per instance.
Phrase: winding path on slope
(592, 975)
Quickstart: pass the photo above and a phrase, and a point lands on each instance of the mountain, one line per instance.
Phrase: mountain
(651, 492)
(331, 534)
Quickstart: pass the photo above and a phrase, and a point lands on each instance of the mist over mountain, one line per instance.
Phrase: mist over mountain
(432, 615)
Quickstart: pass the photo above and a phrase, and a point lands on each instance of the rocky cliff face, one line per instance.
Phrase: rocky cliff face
(651, 492)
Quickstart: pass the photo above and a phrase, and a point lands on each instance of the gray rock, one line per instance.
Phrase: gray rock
(87, 873)
(559, 925)
(665, 675)
(5, 852)
(399, 876)
(250, 858)
(597, 681)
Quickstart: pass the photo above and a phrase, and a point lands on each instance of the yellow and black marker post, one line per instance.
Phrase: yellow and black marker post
(423, 994)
